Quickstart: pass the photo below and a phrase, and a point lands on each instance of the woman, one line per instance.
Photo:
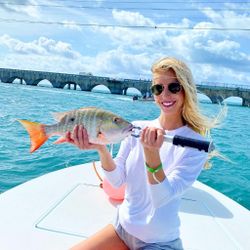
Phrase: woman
(156, 173)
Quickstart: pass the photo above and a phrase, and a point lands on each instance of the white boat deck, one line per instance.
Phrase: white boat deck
(59, 209)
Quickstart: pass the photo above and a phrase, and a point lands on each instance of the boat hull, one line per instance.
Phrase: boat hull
(59, 209)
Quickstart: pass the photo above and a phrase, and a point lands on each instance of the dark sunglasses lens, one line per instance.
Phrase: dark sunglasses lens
(157, 89)
(174, 87)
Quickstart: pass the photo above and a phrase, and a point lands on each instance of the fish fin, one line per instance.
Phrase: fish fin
(87, 108)
(60, 140)
(36, 132)
(59, 115)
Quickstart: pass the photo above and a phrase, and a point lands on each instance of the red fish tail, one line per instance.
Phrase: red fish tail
(36, 132)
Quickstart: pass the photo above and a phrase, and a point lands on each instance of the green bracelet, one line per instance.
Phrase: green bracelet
(153, 170)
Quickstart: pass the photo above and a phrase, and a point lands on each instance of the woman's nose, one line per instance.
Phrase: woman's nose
(165, 91)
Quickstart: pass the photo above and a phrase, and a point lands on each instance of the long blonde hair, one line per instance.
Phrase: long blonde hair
(190, 112)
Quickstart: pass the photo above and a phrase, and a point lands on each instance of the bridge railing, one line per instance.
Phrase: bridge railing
(224, 85)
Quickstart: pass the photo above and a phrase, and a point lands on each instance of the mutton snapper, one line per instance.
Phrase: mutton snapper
(103, 127)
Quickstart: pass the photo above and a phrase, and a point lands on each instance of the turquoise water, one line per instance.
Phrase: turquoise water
(17, 165)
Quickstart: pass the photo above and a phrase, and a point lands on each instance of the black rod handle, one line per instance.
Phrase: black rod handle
(207, 146)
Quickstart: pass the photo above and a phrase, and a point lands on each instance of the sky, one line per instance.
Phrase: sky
(121, 39)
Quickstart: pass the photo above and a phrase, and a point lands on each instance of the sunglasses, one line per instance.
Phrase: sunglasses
(173, 87)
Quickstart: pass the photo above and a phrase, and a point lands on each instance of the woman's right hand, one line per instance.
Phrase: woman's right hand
(80, 139)
(152, 138)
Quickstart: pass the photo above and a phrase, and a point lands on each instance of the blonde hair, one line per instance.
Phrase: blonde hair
(191, 112)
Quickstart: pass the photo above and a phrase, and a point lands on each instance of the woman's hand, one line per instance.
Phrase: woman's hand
(152, 138)
(80, 138)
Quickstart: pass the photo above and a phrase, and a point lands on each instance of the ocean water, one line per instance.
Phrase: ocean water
(17, 165)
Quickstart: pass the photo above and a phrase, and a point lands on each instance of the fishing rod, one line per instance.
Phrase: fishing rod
(178, 140)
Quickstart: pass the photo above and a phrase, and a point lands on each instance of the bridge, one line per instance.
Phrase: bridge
(217, 92)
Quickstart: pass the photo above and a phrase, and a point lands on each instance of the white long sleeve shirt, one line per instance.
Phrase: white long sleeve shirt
(150, 211)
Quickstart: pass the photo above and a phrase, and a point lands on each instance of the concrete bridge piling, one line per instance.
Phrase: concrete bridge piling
(86, 82)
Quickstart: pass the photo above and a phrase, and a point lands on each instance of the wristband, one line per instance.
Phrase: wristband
(153, 170)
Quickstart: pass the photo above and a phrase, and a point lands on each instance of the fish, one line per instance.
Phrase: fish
(103, 127)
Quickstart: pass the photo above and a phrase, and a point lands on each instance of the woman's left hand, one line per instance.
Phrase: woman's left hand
(79, 138)
(152, 138)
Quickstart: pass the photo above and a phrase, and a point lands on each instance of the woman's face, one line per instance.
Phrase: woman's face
(170, 103)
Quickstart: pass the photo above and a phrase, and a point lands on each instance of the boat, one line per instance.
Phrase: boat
(147, 99)
(143, 99)
(61, 208)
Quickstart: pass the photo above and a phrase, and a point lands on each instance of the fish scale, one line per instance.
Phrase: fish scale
(88, 119)
(93, 129)
(77, 116)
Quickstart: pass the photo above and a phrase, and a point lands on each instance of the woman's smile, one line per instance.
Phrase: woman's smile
(168, 104)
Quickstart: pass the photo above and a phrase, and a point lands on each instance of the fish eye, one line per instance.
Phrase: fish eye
(116, 119)
(72, 119)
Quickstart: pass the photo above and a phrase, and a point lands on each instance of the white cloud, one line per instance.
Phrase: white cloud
(209, 47)
(72, 25)
(220, 74)
(122, 64)
(42, 46)
(190, 45)
(26, 7)
(224, 48)
(229, 19)
(140, 39)
(52, 57)
(131, 18)
(20, 47)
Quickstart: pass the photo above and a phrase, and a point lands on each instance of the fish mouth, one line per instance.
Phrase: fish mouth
(128, 129)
